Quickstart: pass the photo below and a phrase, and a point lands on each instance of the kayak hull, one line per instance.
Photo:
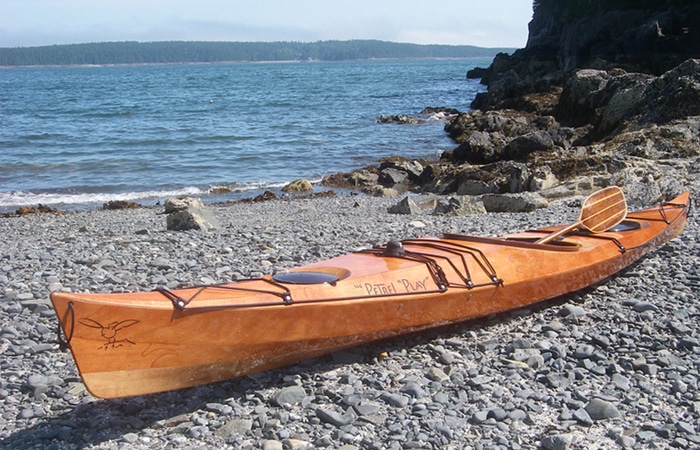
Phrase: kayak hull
(138, 343)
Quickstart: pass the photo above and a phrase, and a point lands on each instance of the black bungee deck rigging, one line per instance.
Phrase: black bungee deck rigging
(428, 251)
(394, 249)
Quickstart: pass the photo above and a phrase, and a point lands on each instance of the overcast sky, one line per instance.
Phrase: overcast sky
(490, 23)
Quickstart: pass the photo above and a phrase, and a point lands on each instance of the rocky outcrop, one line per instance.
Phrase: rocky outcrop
(606, 127)
(399, 119)
(650, 37)
(615, 102)
(636, 130)
(564, 36)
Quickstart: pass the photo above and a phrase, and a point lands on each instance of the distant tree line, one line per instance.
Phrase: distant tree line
(211, 52)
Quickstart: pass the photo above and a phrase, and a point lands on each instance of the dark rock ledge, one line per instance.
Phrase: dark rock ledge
(602, 127)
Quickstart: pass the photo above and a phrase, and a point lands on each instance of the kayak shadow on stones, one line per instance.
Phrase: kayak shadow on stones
(93, 422)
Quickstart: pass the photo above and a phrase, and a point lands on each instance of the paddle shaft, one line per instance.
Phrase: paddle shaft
(567, 229)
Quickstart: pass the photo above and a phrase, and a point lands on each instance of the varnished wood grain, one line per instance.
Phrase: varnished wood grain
(139, 343)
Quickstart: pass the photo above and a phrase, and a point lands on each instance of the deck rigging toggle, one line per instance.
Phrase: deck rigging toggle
(394, 248)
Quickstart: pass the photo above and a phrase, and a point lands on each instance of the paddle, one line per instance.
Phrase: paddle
(601, 211)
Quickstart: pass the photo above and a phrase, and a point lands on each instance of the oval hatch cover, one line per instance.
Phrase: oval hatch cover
(305, 277)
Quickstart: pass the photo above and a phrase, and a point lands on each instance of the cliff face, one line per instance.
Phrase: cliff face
(638, 36)
(641, 36)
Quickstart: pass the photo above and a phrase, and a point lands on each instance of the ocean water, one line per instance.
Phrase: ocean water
(76, 137)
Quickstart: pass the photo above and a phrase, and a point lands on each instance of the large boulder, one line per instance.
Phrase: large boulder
(406, 206)
(520, 147)
(192, 219)
(575, 106)
(620, 100)
(459, 206)
(678, 139)
(487, 137)
(522, 202)
(479, 147)
(398, 170)
(380, 191)
(188, 213)
(672, 96)
(176, 204)
(298, 186)
(391, 176)
(508, 123)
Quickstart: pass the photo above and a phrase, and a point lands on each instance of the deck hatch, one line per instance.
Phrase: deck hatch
(305, 278)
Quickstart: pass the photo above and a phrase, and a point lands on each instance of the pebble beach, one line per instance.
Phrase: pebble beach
(614, 366)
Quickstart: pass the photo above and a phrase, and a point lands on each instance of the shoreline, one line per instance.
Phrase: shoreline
(486, 398)
(291, 61)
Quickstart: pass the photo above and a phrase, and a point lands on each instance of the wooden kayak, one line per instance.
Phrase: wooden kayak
(137, 343)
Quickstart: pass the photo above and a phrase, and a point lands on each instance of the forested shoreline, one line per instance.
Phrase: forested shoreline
(172, 52)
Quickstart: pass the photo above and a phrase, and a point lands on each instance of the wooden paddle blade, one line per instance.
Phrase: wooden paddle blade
(603, 209)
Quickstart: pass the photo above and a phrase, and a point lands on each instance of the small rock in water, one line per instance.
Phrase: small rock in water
(298, 186)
